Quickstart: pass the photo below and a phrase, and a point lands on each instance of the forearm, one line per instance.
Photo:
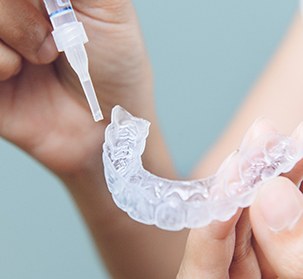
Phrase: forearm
(137, 251)
(278, 95)
(129, 249)
(44, 112)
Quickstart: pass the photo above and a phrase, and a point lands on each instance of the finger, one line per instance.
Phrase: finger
(209, 251)
(296, 174)
(277, 222)
(10, 62)
(244, 262)
(264, 266)
(24, 28)
(262, 126)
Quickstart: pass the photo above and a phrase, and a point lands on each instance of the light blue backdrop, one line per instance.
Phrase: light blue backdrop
(206, 55)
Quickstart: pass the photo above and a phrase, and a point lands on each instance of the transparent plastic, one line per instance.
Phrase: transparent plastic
(174, 205)
(70, 37)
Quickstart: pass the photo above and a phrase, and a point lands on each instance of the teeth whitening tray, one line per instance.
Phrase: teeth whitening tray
(70, 37)
(174, 205)
(147, 198)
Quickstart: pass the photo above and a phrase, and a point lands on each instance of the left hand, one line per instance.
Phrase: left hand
(42, 106)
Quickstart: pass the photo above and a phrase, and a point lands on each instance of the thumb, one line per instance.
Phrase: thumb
(25, 31)
(277, 223)
(209, 251)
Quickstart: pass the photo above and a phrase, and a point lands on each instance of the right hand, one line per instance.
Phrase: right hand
(277, 221)
(268, 244)
(42, 106)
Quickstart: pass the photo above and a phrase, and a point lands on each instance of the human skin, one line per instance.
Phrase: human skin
(266, 245)
(43, 111)
(247, 247)
(272, 248)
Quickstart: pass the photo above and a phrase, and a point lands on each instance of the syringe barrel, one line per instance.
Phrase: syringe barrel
(60, 12)
(70, 37)
(68, 32)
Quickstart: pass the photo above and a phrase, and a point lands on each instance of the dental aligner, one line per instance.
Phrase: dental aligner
(174, 205)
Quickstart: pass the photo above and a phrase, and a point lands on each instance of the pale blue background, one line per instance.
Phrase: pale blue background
(206, 55)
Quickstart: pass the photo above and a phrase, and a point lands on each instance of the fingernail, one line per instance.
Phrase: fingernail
(280, 203)
(48, 51)
(262, 125)
(298, 132)
(297, 135)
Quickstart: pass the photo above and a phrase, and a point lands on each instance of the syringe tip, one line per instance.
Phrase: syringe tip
(92, 99)
(98, 116)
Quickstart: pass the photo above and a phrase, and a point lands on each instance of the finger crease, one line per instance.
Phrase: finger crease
(242, 250)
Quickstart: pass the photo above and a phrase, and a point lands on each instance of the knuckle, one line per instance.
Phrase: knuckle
(8, 73)
(29, 37)
(242, 250)
(10, 65)
(23, 27)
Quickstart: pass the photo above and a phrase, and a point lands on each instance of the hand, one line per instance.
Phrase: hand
(42, 106)
(43, 110)
(230, 250)
(225, 250)
(277, 222)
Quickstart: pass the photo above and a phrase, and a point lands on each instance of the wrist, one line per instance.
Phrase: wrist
(89, 192)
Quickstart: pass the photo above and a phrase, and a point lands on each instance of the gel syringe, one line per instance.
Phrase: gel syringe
(70, 37)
